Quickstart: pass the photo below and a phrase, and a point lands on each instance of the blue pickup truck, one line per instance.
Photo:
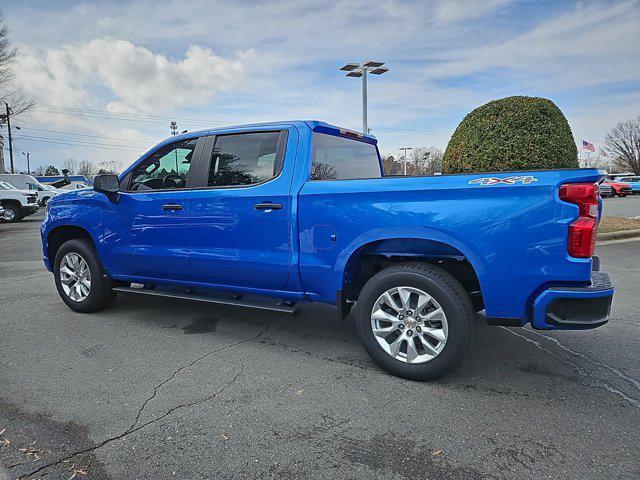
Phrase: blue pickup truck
(270, 215)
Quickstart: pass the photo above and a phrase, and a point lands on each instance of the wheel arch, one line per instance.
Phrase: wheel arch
(10, 202)
(59, 235)
(372, 256)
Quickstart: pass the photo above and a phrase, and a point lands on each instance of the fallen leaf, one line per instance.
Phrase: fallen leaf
(224, 436)
(5, 442)
(78, 471)
(2, 431)
(300, 391)
(437, 452)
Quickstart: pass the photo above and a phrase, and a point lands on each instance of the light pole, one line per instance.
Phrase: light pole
(405, 157)
(28, 155)
(361, 70)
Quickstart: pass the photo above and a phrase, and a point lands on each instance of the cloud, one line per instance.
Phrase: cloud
(455, 11)
(137, 79)
(586, 46)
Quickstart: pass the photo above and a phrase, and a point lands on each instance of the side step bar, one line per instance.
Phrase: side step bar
(235, 300)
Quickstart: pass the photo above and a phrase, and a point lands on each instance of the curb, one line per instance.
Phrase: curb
(620, 234)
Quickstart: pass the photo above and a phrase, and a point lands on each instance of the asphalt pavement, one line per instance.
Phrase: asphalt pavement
(157, 389)
(628, 206)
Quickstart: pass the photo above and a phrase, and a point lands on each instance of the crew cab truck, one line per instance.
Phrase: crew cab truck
(270, 215)
(16, 203)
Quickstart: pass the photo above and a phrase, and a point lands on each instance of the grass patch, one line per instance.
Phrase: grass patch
(615, 224)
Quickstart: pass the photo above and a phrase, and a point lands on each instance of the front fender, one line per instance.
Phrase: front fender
(82, 209)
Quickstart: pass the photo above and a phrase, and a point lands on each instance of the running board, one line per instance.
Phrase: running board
(235, 300)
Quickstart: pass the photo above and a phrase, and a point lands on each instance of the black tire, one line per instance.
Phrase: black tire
(45, 200)
(13, 212)
(445, 290)
(100, 294)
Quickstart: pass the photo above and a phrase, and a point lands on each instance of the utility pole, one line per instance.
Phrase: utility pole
(405, 157)
(2, 170)
(174, 131)
(28, 155)
(10, 140)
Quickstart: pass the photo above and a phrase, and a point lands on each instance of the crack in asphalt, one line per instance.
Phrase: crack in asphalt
(635, 383)
(184, 367)
(600, 383)
(133, 428)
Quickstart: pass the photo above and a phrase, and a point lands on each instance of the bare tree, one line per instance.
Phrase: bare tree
(71, 165)
(426, 160)
(86, 169)
(9, 93)
(110, 166)
(390, 165)
(623, 145)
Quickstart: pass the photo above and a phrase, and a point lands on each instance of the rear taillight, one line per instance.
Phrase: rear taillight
(582, 232)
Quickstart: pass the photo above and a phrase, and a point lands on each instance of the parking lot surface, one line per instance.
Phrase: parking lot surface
(628, 206)
(155, 389)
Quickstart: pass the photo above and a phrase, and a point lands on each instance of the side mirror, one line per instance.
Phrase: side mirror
(107, 184)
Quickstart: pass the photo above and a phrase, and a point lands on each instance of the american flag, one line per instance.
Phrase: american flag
(588, 146)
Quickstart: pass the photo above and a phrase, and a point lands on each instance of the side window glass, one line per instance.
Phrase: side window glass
(339, 158)
(167, 168)
(244, 159)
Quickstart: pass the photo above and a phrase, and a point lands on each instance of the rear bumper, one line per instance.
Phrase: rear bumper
(574, 308)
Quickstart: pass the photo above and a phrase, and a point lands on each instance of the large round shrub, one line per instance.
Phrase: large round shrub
(513, 133)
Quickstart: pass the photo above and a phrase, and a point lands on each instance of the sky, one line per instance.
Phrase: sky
(109, 76)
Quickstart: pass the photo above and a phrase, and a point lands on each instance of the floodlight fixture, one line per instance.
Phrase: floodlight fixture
(350, 66)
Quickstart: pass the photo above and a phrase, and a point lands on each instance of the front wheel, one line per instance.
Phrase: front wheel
(11, 214)
(415, 321)
(79, 277)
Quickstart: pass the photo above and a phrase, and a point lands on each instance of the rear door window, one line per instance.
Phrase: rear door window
(246, 159)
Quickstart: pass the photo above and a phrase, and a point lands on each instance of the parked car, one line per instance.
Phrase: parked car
(632, 181)
(16, 203)
(267, 215)
(618, 188)
(605, 190)
(1, 212)
(27, 182)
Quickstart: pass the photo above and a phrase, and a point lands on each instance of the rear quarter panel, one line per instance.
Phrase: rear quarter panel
(513, 235)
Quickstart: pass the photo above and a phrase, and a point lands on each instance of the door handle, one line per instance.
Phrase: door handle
(267, 206)
(171, 206)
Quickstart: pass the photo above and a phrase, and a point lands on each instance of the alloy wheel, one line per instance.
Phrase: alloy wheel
(75, 277)
(409, 325)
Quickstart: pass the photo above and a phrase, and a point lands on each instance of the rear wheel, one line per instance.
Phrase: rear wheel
(415, 321)
(79, 277)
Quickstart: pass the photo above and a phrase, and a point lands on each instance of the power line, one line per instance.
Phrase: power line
(198, 121)
(125, 116)
(77, 144)
(84, 135)
(40, 137)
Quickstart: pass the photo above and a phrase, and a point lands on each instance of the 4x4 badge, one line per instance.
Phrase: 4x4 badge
(507, 180)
